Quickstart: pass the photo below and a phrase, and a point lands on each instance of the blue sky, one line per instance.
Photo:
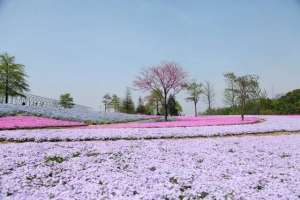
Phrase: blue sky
(95, 47)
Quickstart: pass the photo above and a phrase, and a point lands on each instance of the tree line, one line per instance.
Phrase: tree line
(149, 105)
(242, 95)
(288, 103)
(168, 79)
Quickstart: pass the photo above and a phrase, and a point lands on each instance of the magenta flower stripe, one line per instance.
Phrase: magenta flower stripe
(187, 122)
(16, 122)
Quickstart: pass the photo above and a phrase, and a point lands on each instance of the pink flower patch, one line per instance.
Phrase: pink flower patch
(16, 122)
(186, 122)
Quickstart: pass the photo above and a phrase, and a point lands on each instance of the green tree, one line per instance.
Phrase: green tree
(246, 88)
(289, 103)
(173, 106)
(154, 101)
(194, 90)
(150, 109)
(12, 77)
(178, 108)
(285, 104)
(128, 104)
(116, 103)
(66, 100)
(141, 109)
(106, 101)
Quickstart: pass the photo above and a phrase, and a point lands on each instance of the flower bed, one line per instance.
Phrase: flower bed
(265, 167)
(187, 122)
(24, 122)
(75, 114)
(270, 124)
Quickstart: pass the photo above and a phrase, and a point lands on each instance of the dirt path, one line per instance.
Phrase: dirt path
(170, 138)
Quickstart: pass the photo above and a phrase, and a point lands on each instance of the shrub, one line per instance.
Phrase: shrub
(56, 159)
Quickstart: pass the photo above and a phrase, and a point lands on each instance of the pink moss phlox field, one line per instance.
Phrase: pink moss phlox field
(188, 122)
(232, 168)
(268, 124)
(15, 122)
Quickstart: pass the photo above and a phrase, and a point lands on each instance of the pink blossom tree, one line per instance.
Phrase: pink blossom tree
(167, 79)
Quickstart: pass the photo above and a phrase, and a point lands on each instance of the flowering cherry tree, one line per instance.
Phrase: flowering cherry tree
(168, 78)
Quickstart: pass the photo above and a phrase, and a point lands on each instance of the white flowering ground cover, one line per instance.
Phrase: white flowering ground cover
(270, 124)
(237, 168)
(76, 113)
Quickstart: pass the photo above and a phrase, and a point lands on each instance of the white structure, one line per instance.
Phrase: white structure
(37, 101)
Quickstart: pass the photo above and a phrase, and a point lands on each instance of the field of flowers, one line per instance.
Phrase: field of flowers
(151, 160)
(187, 122)
(250, 167)
(76, 114)
(269, 124)
(23, 122)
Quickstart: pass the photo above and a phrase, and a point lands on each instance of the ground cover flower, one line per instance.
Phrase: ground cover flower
(269, 124)
(249, 167)
(187, 122)
(20, 122)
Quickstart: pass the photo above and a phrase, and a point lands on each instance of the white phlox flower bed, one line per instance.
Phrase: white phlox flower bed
(269, 124)
(237, 168)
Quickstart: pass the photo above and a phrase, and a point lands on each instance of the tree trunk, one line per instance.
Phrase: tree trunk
(166, 106)
(6, 88)
(157, 107)
(243, 111)
(209, 100)
(196, 112)
(6, 96)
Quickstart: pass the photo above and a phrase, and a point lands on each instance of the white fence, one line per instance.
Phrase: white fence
(37, 101)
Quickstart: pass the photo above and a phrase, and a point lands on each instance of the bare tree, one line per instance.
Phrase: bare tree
(209, 94)
(166, 78)
(229, 94)
(194, 90)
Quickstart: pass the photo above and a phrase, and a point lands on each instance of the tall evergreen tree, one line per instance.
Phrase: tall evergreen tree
(141, 109)
(12, 77)
(174, 106)
(128, 104)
